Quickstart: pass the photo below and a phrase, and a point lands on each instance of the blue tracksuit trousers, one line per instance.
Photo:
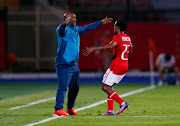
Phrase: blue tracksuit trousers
(68, 76)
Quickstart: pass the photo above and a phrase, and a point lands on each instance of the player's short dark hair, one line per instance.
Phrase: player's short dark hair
(167, 57)
(122, 25)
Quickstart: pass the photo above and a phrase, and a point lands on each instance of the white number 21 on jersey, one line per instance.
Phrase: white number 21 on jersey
(125, 50)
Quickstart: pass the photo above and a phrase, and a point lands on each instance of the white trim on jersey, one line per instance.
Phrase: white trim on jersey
(110, 78)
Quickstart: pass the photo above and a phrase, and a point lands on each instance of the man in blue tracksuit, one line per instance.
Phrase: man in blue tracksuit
(66, 61)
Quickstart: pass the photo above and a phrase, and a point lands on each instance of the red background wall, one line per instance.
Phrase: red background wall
(165, 36)
(2, 46)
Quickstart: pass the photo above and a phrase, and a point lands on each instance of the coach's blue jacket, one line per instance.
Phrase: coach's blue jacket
(69, 42)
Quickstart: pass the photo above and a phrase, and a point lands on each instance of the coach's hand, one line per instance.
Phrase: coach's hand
(87, 51)
(66, 22)
(106, 20)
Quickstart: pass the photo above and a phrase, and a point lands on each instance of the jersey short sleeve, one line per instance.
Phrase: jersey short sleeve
(117, 39)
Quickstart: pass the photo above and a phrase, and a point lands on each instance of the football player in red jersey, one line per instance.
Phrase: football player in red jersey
(121, 44)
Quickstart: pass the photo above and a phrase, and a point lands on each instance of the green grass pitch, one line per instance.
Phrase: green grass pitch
(156, 107)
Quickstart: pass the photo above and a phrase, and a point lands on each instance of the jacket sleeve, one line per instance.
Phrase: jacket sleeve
(89, 27)
(61, 30)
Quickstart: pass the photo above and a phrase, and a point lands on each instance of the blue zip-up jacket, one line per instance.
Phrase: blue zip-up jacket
(69, 42)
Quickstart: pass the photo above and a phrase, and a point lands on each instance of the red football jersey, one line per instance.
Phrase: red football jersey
(119, 65)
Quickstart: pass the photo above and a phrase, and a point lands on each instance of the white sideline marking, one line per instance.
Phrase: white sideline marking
(95, 104)
(155, 116)
(32, 103)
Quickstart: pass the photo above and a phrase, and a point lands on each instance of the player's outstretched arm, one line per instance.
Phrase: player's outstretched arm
(89, 50)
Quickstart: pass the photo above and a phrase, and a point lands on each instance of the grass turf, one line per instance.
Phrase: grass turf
(160, 106)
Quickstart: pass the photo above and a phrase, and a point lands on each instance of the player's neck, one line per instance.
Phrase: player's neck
(120, 32)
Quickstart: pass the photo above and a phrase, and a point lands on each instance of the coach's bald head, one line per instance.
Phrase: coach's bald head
(71, 17)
